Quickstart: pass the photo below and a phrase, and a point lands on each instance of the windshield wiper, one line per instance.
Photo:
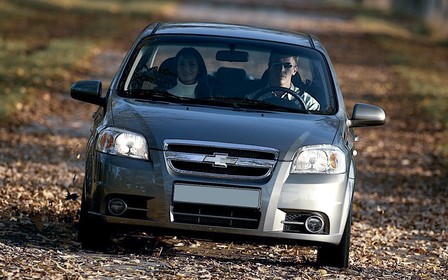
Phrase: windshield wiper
(235, 102)
(154, 94)
(248, 103)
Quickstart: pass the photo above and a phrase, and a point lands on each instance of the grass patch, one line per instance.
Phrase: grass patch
(382, 25)
(45, 43)
(420, 62)
(26, 72)
(423, 66)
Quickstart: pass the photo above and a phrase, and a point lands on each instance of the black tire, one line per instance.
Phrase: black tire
(337, 255)
(92, 234)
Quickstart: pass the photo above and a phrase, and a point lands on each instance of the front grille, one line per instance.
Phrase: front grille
(201, 148)
(221, 160)
(209, 169)
(222, 216)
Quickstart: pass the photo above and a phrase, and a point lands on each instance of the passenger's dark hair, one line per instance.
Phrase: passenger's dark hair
(202, 69)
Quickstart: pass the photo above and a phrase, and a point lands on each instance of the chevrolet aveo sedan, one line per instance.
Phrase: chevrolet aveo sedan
(221, 128)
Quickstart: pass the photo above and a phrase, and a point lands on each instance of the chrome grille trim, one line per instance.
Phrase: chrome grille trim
(210, 157)
(247, 162)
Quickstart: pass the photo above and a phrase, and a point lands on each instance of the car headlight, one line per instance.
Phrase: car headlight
(319, 159)
(121, 142)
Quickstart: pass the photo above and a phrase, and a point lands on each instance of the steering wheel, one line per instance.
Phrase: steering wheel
(271, 89)
(143, 76)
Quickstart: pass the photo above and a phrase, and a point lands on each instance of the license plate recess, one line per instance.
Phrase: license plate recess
(217, 195)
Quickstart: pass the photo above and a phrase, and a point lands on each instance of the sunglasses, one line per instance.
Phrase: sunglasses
(279, 65)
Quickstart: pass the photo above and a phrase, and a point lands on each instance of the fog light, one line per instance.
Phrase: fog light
(117, 206)
(314, 224)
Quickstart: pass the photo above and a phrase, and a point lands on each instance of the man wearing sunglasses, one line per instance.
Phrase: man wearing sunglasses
(282, 68)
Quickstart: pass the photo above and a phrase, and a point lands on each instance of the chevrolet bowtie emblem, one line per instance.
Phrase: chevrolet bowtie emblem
(220, 160)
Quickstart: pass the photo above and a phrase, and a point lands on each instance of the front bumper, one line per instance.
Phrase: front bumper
(148, 189)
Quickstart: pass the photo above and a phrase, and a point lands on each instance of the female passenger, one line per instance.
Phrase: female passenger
(190, 68)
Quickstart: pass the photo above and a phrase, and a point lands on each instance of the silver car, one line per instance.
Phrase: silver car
(209, 142)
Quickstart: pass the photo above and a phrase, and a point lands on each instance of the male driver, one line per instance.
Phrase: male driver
(282, 68)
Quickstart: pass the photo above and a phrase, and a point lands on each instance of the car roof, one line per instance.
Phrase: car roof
(228, 30)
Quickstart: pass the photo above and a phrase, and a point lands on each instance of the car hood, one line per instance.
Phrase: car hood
(283, 131)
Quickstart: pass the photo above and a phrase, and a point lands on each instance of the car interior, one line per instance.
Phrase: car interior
(227, 77)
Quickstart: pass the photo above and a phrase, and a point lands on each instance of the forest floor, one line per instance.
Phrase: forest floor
(400, 210)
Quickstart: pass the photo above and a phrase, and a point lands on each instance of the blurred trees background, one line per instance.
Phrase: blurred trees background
(434, 13)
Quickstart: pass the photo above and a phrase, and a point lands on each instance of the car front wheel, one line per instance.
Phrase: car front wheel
(92, 234)
(337, 255)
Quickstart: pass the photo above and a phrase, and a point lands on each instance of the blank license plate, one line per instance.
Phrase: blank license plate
(213, 195)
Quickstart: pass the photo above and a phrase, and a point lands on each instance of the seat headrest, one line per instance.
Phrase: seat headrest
(167, 73)
(231, 76)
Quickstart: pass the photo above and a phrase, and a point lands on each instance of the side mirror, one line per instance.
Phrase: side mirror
(88, 91)
(367, 115)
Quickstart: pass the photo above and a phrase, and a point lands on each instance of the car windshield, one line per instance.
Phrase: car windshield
(249, 74)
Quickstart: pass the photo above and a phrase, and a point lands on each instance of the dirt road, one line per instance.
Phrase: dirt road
(400, 212)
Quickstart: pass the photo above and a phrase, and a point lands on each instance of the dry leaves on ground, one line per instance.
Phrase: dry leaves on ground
(400, 212)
